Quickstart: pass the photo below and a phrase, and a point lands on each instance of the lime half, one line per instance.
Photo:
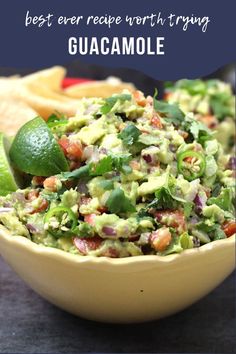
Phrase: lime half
(8, 179)
(35, 150)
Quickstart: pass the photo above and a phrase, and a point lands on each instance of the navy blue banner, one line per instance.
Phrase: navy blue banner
(166, 39)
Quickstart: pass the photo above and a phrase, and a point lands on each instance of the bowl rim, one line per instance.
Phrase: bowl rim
(26, 244)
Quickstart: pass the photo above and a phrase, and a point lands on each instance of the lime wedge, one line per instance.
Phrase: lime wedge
(35, 150)
(8, 179)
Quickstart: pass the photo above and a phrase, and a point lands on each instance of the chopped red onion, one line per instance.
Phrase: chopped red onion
(196, 242)
(84, 245)
(80, 244)
(109, 231)
(82, 187)
(5, 210)
(194, 220)
(7, 205)
(95, 157)
(144, 238)
(232, 163)
(200, 202)
(19, 197)
(111, 252)
(32, 228)
(103, 150)
(133, 237)
(172, 148)
(193, 190)
(87, 152)
(147, 158)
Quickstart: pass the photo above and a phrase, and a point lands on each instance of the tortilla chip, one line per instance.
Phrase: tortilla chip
(13, 114)
(41, 94)
(104, 88)
(51, 78)
(38, 95)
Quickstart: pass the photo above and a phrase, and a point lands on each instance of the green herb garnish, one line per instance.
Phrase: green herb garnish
(111, 101)
(129, 134)
(119, 203)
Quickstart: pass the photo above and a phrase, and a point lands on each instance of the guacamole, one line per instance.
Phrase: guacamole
(144, 178)
(212, 102)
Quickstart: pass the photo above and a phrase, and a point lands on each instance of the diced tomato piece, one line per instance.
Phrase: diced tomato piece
(72, 149)
(171, 218)
(134, 165)
(42, 207)
(64, 143)
(75, 150)
(90, 218)
(33, 195)
(156, 122)
(183, 134)
(161, 239)
(84, 245)
(167, 96)
(209, 120)
(140, 98)
(38, 181)
(229, 228)
(50, 184)
(102, 209)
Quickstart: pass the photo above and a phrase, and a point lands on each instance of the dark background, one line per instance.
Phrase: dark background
(143, 82)
(28, 324)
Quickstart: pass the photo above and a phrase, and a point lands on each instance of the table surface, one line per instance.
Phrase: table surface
(29, 324)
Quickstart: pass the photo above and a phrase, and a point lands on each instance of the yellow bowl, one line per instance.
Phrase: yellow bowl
(123, 290)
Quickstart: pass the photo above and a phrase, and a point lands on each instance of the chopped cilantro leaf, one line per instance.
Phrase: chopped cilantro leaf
(103, 166)
(121, 163)
(193, 87)
(221, 105)
(129, 134)
(172, 113)
(214, 231)
(78, 173)
(107, 184)
(219, 233)
(198, 130)
(188, 206)
(83, 230)
(111, 101)
(119, 203)
(56, 119)
(49, 196)
(216, 189)
(223, 200)
(164, 199)
(107, 164)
